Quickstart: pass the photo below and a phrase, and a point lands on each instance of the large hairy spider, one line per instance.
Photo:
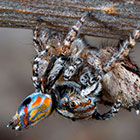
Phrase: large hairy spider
(72, 78)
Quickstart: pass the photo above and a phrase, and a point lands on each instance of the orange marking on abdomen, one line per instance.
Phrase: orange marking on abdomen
(37, 102)
(47, 101)
(25, 117)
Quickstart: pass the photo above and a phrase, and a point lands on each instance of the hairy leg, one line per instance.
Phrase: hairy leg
(53, 72)
(111, 113)
(124, 50)
(39, 39)
(73, 33)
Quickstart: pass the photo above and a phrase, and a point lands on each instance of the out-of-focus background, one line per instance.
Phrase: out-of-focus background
(16, 55)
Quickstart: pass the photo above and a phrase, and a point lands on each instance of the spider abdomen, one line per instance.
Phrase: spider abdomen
(123, 85)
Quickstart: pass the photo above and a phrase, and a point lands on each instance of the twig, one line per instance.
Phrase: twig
(111, 18)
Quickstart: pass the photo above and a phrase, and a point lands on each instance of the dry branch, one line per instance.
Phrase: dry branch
(111, 18)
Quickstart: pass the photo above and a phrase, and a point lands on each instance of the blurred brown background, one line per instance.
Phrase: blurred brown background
(16, 55)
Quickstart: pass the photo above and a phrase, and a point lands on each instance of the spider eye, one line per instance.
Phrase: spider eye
(27, 101)
(73, 104)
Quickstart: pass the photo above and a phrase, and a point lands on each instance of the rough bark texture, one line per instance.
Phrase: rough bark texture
(111, 18)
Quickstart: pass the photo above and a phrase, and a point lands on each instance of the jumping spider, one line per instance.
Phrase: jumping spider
(72, 78)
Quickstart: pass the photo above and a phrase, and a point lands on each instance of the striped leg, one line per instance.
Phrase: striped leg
(39, 39)
(124, 50)
(44, 38)
(114, 110)
(73, 33)
(53, 72)
(71, 70)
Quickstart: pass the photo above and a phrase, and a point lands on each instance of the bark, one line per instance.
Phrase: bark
(111, 18)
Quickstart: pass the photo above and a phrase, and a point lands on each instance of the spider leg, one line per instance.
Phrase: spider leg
(124, 50)
(114, 110)
(39, 39)
(137, 107)
(71, 70)
(44, 37)
(73, 33)
(53, 72)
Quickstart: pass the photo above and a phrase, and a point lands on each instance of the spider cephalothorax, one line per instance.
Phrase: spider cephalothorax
(77, 75)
